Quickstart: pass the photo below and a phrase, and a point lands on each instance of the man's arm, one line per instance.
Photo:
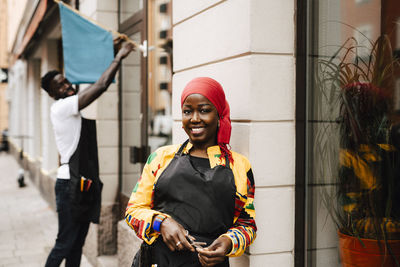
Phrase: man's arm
(91, 93)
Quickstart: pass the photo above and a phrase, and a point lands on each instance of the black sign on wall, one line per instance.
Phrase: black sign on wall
(3, 75)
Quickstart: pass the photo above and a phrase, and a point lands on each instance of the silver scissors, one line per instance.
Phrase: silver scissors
(194, 243)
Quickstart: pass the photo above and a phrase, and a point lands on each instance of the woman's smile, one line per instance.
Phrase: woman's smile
(197, 130)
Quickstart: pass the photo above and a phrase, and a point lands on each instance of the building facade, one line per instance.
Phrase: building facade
(263, 53)
(3, 66)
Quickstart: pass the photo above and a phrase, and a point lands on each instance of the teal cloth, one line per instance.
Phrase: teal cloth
(88, 49)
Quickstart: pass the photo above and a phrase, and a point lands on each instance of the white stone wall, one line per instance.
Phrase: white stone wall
(248, 46)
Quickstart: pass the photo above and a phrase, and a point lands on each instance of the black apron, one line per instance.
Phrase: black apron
(203, 203)
(86, 205)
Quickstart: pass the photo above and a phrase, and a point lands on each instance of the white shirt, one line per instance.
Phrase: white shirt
(66, 120)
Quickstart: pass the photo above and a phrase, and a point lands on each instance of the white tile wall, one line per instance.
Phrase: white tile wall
(275, 220)
(131, 133)
(218, 33)
(273, 260)
(107, 19)
(272, 26)
(107, 5)
(88, 7)
(107, 133)
(110, 183)
(258, 87)
(131, 106)
(108, 106)
(272, 153)
(239, 261)
(272, 94)
(108, 160)
(183, 9)
(131, 80)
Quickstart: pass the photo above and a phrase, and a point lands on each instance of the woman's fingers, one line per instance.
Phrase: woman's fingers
(215, 253)
(185, 242)
(174, 235)
(209, 260)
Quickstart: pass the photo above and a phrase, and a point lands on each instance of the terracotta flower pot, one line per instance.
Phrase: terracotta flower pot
(373, 254)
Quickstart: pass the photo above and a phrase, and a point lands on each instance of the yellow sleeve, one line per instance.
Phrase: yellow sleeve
(243, 232)
(139, 215)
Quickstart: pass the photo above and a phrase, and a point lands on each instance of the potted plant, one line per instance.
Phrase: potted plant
(361, 152)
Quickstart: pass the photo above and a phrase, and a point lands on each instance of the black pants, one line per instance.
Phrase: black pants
(71, 235)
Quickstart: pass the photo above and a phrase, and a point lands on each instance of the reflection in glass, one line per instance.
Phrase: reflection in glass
(353, 172)
(160, 73)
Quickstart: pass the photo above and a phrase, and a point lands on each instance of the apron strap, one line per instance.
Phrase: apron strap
(182, 147)
(227, 161)
(187, 141)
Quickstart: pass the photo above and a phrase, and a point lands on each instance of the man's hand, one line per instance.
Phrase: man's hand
(122, 47)
(118, 42)
(215, 253)
(126, 48)
(174, 235)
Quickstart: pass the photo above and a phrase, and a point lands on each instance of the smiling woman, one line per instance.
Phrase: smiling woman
(195, 193)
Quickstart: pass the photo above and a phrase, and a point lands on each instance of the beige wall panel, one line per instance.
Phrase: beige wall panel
(107, 133)
(182, 9)
(272, 26)
(108, 160)
(275, 220)
(272, 153)
(110, 188)
(207, 37)
(278, 259)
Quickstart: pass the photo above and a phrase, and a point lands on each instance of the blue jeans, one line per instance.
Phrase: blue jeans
(71, 235)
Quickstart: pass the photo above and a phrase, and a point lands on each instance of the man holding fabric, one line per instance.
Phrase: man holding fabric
(78, 187)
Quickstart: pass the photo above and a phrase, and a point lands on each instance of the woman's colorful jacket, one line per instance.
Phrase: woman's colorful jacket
(139, 214)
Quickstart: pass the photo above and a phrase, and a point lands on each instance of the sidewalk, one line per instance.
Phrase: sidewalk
(28, 226)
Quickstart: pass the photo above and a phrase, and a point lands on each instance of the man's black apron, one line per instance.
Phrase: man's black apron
(203, 203)
(86, 205)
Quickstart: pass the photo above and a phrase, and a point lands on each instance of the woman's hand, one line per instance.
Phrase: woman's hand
(174, 235)
(215, 253)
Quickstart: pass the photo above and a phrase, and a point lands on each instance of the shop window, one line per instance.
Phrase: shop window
(352, 147)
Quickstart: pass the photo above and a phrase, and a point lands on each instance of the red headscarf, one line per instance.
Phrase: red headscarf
(213, 91)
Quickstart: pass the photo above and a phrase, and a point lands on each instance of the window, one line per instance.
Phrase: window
(351, 150)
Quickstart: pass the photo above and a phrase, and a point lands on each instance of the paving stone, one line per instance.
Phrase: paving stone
(28, 226)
